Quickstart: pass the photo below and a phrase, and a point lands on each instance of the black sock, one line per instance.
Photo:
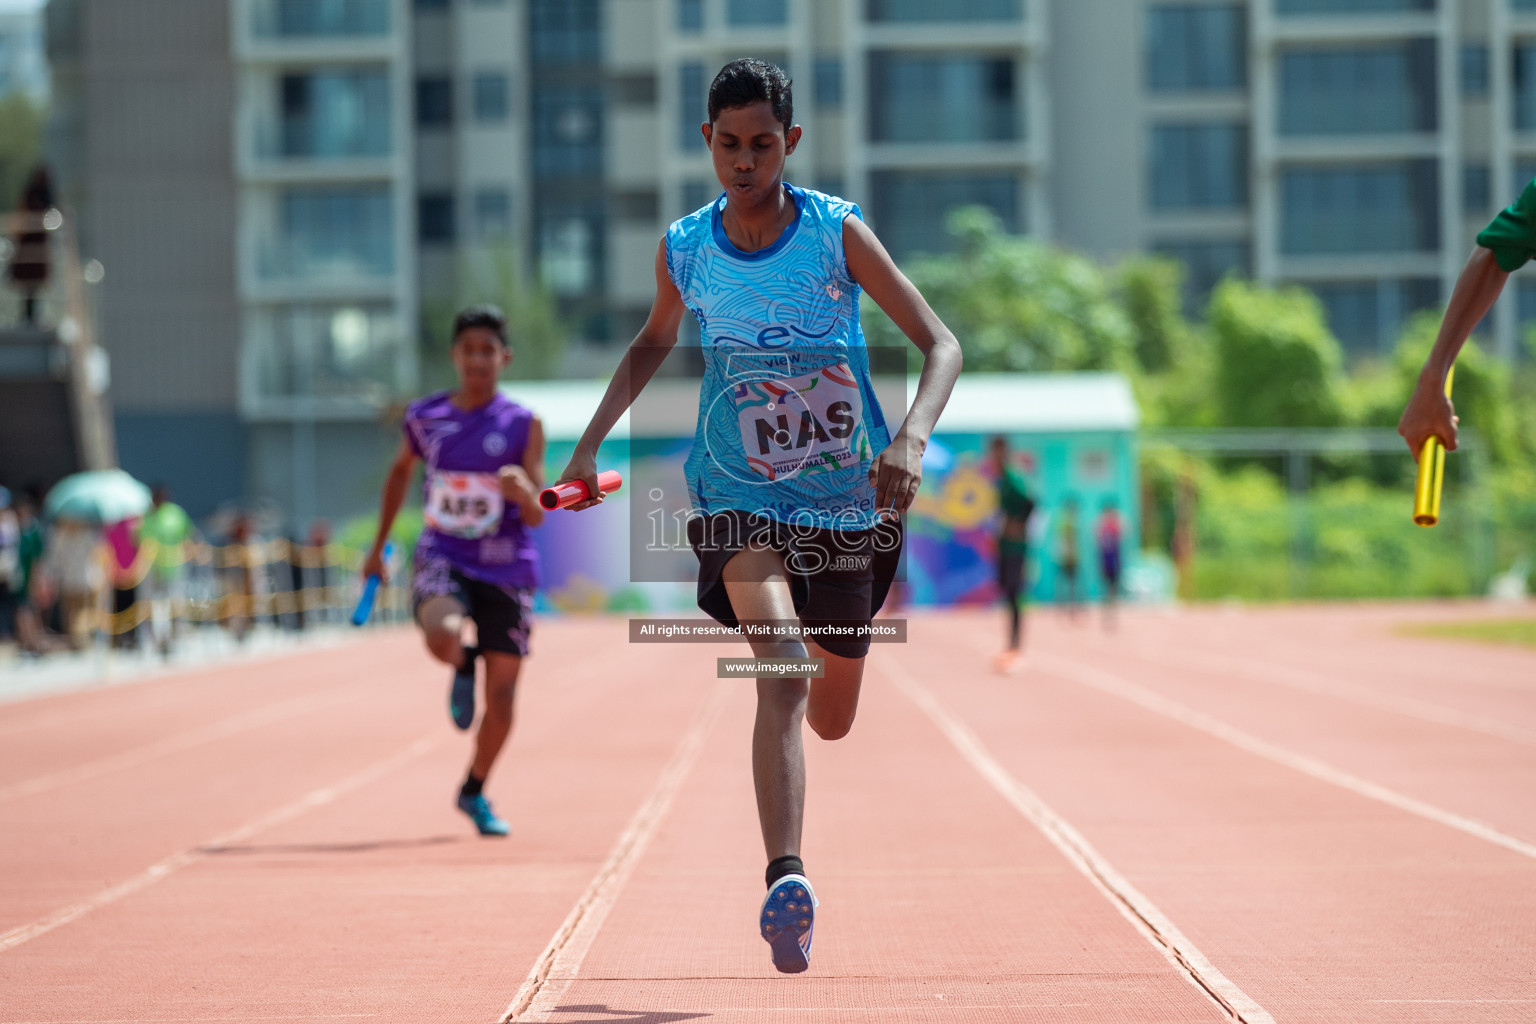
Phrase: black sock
(472, 786)
(781, 866)
(470, 654)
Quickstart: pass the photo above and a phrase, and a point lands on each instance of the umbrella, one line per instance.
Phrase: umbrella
(99, 496)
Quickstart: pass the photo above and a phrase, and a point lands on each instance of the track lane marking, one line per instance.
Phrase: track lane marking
(184, 858)
(1116, 686)
(1150, 922)
(560, 962)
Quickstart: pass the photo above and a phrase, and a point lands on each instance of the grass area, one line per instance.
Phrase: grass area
(1497, 631)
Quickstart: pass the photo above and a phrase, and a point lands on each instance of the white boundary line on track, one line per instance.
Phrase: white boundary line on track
(170, 865)
(1310, 681)
(559, 963)
(1108, 682)
(1136, 908)
(252, 719)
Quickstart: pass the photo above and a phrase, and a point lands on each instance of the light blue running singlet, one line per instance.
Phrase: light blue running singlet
(788, 420)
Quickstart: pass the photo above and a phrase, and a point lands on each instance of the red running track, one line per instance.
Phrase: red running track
(1286, 815)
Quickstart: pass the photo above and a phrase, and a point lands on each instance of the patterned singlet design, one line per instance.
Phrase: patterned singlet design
(788, 419)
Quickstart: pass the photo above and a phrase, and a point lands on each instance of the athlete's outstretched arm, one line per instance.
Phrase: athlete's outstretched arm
(522, 481)
(1429, 411)
(395, 485)
(641, 360)
(897, 471)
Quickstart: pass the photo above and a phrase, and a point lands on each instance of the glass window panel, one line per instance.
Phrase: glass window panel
(910, 207)
(1525, 86)
(1476, 188)
(334, 113)
(1350, 6)
(567, 130)
(1199, 166)
(693, 105)
(323, 17)
(1368, 316)
(1474, 69)
(757, 12)
(435, 218)
(566, 31)
(829, 82)
(1388, 88)
(1196, 47)
(493, 214)
(917, 97)
(948, 10)
(492, 96)
(690, 15)
(333, 231)
(570, 247)
(434, 102)
(1388, 208)
(328, 350)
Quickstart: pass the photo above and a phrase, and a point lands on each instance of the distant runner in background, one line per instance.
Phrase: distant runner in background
(1012, 548)
(1108, 536)
(165, 533)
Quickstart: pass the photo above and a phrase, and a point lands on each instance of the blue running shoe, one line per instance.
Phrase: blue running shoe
(787, 920)
(479, 810)
(461, 696)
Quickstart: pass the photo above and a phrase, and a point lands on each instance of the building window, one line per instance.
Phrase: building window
(493, 214)
(910, 207)
(1351, 6)
(1474, 69)
(330, 351)
(1389, 88)
(566, 31)
(1386, 208)
(1368, 316)
(943, 98)
(832, 185)
(431, 5)
(1525, 86)
(333, 113)
(829, 82)
(1196, 48)
(568, 250)
(1199, 166)
(693, 105)
(698, 194)
(491, 97)
(328, 232)
(949, 10)
(690, 15)
(1476, 188)
(308, 18)
(435, 218)
(1206, 262)
(756, 12)
(567, 131)
(434, 102)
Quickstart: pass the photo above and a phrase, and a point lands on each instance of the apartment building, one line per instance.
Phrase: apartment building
(288, 195)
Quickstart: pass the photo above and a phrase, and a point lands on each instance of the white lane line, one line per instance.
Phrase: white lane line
(1135, 907)
(557, 966)
(170, 865)
(1309, 681)
(1116, 686)
(172, 744)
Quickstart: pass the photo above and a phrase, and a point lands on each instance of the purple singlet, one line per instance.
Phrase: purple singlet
(468, 523)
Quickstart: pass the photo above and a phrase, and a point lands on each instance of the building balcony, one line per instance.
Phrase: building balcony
(1316, 28)
(291, 31)
(949, 155)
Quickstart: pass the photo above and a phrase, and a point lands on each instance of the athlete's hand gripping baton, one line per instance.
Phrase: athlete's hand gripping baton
(370, 591)
(1431, 478)
(573, 491)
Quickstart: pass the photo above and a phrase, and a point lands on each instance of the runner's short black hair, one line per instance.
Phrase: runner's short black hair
(489, 317)
(749, 80)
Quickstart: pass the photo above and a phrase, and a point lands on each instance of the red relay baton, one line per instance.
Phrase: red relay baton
(572, 491)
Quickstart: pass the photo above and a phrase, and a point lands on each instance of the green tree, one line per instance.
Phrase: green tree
(21, 144)
(1276, 364)
(1017, 304)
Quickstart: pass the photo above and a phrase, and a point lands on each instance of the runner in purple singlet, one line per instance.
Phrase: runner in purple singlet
(484, 458)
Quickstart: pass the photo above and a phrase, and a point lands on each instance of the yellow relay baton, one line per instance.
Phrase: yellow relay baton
(1426, 489)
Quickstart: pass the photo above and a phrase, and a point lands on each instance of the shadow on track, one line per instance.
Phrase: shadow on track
(612, 1016)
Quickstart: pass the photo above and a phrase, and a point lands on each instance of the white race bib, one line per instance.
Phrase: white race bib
(464, 504)
(805, 424)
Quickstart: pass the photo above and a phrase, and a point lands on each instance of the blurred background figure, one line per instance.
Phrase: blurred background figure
(10, 567)
(73, 578)
(238, 570)
(1067, 558)
(129, 564)
(315, 585)
(29, 263)
(166, 532)
(31, 635)
(1012, 547)
(1107, 539)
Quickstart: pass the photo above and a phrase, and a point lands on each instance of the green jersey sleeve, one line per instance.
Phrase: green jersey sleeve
(1511, 237)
